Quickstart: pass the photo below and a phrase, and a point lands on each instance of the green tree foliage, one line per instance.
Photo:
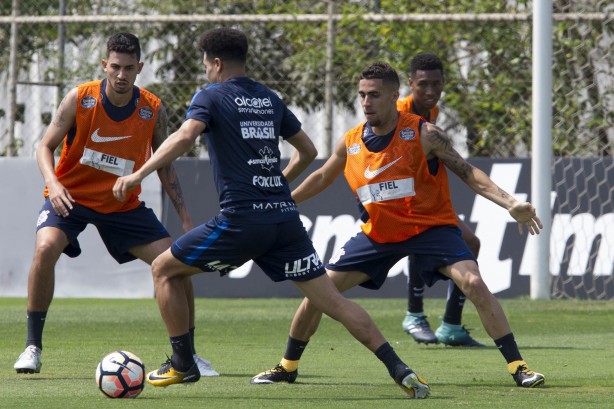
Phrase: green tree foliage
(488, 63)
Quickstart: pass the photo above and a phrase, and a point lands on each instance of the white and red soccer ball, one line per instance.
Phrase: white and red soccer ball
(121, 374)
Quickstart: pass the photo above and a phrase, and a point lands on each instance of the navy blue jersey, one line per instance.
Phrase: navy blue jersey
(244, 121)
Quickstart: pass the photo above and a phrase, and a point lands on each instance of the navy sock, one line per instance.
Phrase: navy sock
(415, 290)
(396, 367)
(454, 305)
(508, 348)
(295, 349)
(36, 323)
(182, 358)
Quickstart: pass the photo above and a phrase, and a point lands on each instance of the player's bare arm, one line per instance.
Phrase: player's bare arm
(436, 143)
(166, 174)
(64, 119)
(322, 177)
(304, 153)
(173, 147)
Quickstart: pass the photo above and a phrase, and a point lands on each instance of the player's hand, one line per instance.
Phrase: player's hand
(60, 198)
(125, 184)
(524, 213)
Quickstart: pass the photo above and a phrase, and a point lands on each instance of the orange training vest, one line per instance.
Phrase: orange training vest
(403, 199)
(102, 150)
(407, 105)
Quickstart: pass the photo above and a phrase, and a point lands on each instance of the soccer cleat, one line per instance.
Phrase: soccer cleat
(275, 375)
(204, 367)
(413, 385)
(418, 327)
(167, 375)
(29, 361)
(525, 377)
(455, 336)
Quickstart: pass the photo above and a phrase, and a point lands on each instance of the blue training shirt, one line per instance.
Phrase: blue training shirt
(244, 121)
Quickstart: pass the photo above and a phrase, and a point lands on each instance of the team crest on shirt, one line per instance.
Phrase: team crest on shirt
(146, 113)
(88, 102)
(353, 149)
(407, 134)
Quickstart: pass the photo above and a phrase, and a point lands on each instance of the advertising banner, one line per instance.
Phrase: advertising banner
(582, 241)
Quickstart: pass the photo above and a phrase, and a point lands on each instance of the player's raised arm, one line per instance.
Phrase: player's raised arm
(436, 143)
(173, 147)
(321, 178)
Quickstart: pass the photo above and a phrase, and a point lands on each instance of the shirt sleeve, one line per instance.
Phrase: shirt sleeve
(290, 125)
(200, 107)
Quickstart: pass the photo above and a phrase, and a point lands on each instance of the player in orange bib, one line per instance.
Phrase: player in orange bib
(426, 83)
(108, 129)
(396, 165)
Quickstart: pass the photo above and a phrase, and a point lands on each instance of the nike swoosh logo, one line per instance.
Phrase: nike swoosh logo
(98, 138)
(370, 174)
(153, 377)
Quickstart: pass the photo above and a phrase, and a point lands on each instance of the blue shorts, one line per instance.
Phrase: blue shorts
(429, 251)
(120, 231)
(282, 250)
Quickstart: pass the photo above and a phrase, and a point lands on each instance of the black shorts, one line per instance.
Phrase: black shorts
(120, 231)
(429, 251)
(282, 250)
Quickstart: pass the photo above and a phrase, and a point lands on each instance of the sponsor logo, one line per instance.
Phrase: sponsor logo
(407, 134)
(387, 190)
(219, 266)
(267, 181)
(370, 174)
(88, 102)
(106, 163)
(303, 266)
(42, 217)
(257, 129)
(146, 113)
(283, 206)
(102, 139)
(353, 149)
(268, 159)
(253, 102)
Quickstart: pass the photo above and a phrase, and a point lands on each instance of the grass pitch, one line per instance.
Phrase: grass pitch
(569, 341)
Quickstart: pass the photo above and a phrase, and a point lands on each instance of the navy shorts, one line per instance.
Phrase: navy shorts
(429, 251)
(282, 250)
(120, 231)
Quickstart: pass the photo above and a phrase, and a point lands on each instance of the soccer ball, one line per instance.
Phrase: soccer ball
(121, 374)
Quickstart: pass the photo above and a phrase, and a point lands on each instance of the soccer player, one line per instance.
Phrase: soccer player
(243, 121)
(108, 128)
(426, 83)
(395, 163)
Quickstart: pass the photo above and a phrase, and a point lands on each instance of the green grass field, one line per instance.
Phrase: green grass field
(571, 342)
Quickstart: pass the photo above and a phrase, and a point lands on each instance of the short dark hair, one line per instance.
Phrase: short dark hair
(125, 43)
(425, 62)
(383, 71)
(227, 44)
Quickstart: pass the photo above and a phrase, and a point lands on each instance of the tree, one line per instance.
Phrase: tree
(488, 63)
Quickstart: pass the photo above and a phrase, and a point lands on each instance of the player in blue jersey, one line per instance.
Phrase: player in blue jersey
(242, 121)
